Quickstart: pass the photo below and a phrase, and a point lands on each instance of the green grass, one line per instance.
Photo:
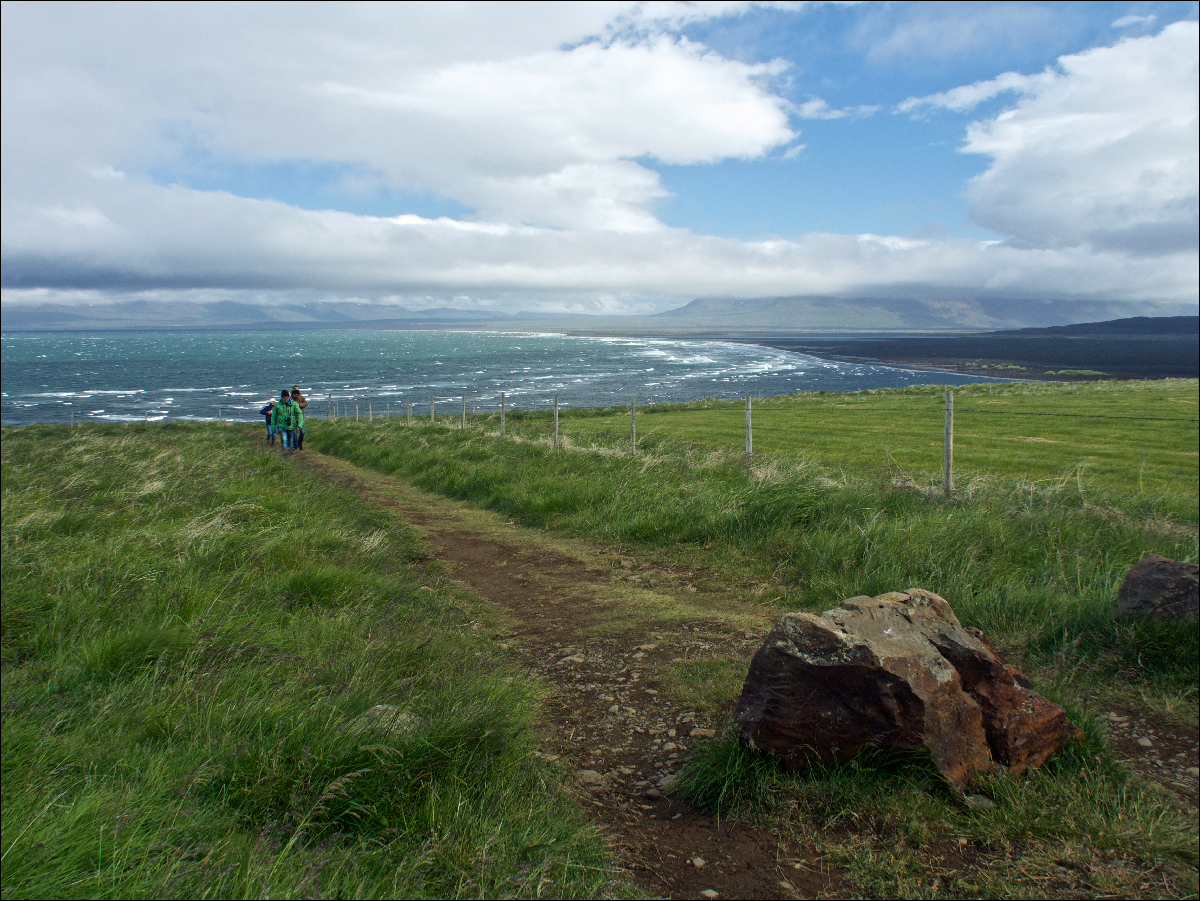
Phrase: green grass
(1035, 563)
(191, 627)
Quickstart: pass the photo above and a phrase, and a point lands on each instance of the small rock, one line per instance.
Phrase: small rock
(704, 733)
(710, 894)
(962, 842)
(698, 862)
(978, 802)
(573, 658)
(670, 746)
(652, 793)
(385, 717)
(786, 886)
(634, 578)
(1193, 771)
(670, 733)
(1145, 743)
(668, 782)
(627, 563)
(615, 708)
(590, 778)
(1160, 589)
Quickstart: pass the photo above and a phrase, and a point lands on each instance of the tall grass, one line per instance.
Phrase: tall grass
(191, 630)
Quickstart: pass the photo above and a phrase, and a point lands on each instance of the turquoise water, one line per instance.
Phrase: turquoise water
(122, 376)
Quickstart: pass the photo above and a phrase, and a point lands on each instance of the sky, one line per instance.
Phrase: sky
(598, 157)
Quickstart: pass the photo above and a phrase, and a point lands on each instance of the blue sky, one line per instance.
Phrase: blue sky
(619, 157)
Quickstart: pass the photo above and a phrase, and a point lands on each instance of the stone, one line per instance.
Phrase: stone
(385, 718)
(1145, 742)
(1159, 588)
(704, 733)
(591, 779)
(978, 802)
(710, 894)
(698, 862)
(897, 672)
(652, 793)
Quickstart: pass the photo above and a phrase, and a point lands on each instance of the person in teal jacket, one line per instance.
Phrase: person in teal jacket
(284, 420)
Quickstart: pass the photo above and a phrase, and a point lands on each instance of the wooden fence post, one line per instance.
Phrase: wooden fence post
(556, 421)
(501, 414)
(948, 444)
(410, 412)
(370, 415)
(387, 413)
(749, 434)
(633, 424)
(431, 409)
(356, 412)
(464, 411)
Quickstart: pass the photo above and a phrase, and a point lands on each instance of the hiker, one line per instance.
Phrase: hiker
(298, 433)
(267, 411)
(284, 420)
(302, 402)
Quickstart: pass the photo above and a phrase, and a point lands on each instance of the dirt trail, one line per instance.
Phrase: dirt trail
(598, 627)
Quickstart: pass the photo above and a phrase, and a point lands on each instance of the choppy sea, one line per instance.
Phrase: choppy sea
(123, 376)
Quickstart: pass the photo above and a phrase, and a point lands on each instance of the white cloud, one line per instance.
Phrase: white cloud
(519, 114)
(1103, 152)
(160, 238)
(816, 108)
(967, 97)
(1126, 21)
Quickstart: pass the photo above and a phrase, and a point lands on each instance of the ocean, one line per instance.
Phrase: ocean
(191, 375)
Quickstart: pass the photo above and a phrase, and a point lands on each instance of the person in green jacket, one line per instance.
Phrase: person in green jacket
(284, 420)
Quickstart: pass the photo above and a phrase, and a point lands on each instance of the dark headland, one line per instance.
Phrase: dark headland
(1138, 347)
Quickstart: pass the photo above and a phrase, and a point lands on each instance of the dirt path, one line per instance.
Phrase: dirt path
(599, 629)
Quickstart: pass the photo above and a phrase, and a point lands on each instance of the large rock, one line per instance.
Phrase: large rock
(896, 672)
(1159, 588)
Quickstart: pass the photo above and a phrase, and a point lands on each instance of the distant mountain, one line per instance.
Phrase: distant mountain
(703, 316)
(232, 314)
(879, 315)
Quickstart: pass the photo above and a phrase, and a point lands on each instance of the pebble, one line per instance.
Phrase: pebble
(1145, 743)
(1193, 771)
(704, 733)
(698, 862)
(652, 793)
(978, 802)
(590, 777)
(709, 893)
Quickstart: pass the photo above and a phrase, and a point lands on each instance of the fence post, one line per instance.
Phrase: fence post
(749, 434)
(370, 415)
(633, 424)
(431, 409)
(387, 413)
(356, 412)
(501, 414)
(948, 444)
(409, 413)
(556, 421)
(464, 412)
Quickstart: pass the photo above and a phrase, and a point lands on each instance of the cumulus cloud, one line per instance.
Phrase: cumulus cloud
(541, 121)
(1102, 152)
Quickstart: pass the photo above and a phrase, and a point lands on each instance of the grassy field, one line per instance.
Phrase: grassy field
(191, 633)
(1030, 553)
(1133, 440)
(191, 630)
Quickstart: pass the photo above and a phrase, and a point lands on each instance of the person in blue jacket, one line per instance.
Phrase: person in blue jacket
(267, 411)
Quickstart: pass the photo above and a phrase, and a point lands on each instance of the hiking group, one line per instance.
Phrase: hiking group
(285, 419)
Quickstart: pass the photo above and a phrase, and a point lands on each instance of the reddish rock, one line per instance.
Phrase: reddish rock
(895, 672)
(1159, 588)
